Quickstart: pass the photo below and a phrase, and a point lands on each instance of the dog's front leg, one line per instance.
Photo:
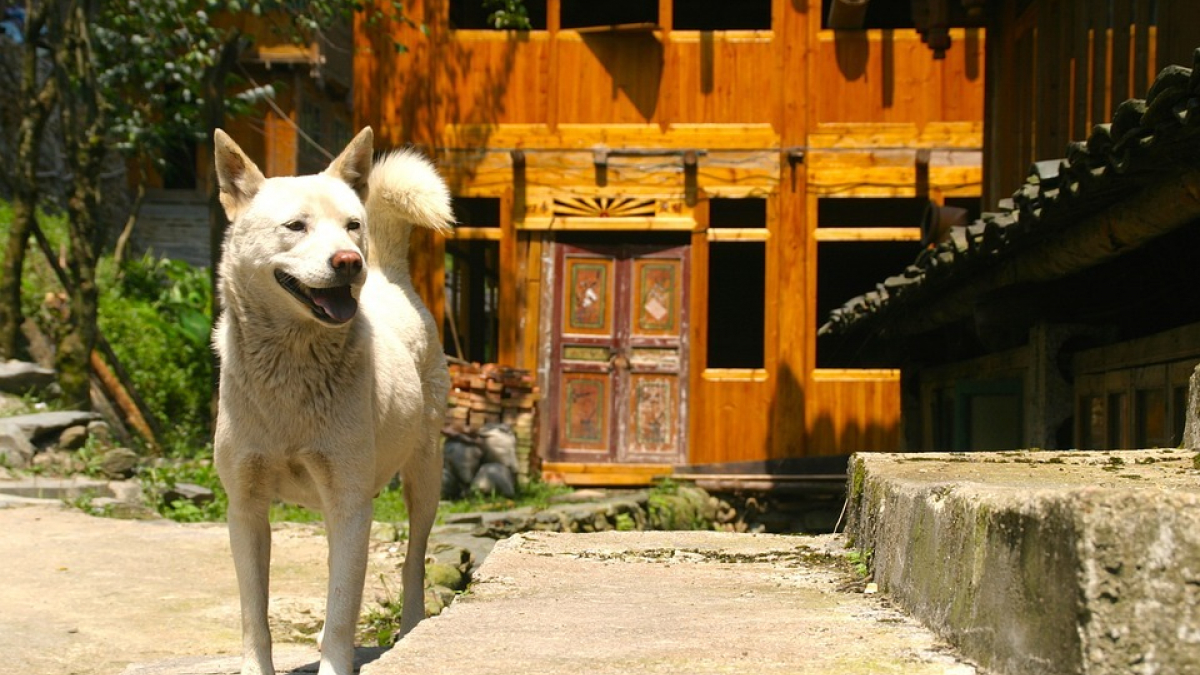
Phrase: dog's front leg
(348, 524)
(250, 539)
(422, 480)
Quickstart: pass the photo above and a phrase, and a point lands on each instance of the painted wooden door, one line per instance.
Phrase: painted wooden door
(620, 354)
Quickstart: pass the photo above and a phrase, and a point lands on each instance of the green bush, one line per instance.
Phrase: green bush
(157, 317)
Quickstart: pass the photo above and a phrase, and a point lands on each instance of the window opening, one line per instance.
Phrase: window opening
(477, 14)
(1179, 396)
(1151, 418)
(1117, 420)
(311, 122)
(476, 211)
(848, 269)
(737, 275)
(711, 15)
(870, 211)
(890, 14)
(750, 212)
(472, 324)
(989, 415)
(585, 14)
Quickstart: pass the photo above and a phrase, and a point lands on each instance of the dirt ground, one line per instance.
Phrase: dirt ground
(81, 595)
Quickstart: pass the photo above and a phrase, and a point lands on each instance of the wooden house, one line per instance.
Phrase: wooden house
(291, 131)
(658, 201)
(1065, 317)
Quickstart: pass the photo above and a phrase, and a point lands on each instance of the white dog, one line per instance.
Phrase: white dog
(333, 378)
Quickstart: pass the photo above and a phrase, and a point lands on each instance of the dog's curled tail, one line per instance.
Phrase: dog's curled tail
(405, 190)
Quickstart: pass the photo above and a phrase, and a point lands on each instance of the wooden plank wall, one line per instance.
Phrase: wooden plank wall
(835, 419)
(890, 76)
(1063, 66)
(852, 107)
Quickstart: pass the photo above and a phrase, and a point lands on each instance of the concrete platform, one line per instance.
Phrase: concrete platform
(1041, 562)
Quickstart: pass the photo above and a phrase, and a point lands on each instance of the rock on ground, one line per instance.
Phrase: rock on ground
(18, 377)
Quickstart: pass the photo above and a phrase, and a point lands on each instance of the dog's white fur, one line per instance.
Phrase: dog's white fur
(322, 407)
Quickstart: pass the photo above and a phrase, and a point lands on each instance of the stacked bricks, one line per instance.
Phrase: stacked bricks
(484, 394)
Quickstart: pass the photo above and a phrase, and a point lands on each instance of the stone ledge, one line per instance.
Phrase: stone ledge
(1041, 562)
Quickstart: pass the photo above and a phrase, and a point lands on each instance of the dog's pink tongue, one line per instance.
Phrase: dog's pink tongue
(338, 303)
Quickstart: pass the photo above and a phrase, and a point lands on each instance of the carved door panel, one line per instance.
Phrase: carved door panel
(619, 354)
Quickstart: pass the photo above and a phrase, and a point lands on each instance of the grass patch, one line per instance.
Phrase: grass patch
(159, 482)
(860, 561)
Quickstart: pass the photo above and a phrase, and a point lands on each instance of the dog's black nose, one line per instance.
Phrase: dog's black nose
(346, 262)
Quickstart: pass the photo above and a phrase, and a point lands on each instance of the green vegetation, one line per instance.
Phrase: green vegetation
(672, 506)
(860, 561)
(157, 316)
(380, 622)
(159, 482)
(389, 505)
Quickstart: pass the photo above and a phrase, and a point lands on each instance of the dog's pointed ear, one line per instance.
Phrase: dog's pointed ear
(237, 176)
(353, 166)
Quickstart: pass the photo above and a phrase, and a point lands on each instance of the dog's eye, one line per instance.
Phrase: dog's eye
(295, 225)
(353, 225)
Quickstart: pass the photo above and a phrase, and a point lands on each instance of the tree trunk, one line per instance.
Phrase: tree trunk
(24, 212)
(84, 123)
(122, 248)
(214, 118)
(37, 100)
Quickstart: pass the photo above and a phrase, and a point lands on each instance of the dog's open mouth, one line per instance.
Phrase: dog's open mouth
(331, 305)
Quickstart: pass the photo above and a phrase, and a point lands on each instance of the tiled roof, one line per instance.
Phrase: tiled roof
(1146, 140)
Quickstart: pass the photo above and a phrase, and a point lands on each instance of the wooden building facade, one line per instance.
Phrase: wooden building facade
(658, 201)
(1065, 316)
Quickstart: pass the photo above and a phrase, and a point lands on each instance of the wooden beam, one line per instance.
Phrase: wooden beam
(622, 475)
(509, 337)
(771, 484)
(613, 136)
(468, 233)
(868, 234)
(739, 234)
(735, 375)
(855, 375)
(641, 224)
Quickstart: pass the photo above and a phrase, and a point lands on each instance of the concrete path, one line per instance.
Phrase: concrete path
(91, 596)
(81, 595)
(668, 602)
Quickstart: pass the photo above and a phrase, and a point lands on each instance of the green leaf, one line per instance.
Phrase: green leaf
(195, 325)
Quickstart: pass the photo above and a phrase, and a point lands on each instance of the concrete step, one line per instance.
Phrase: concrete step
(54, 488)
(1048, 562)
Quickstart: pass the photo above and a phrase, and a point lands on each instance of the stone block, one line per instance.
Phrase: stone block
(15, 449)
(19, 377)
(1040, 562)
